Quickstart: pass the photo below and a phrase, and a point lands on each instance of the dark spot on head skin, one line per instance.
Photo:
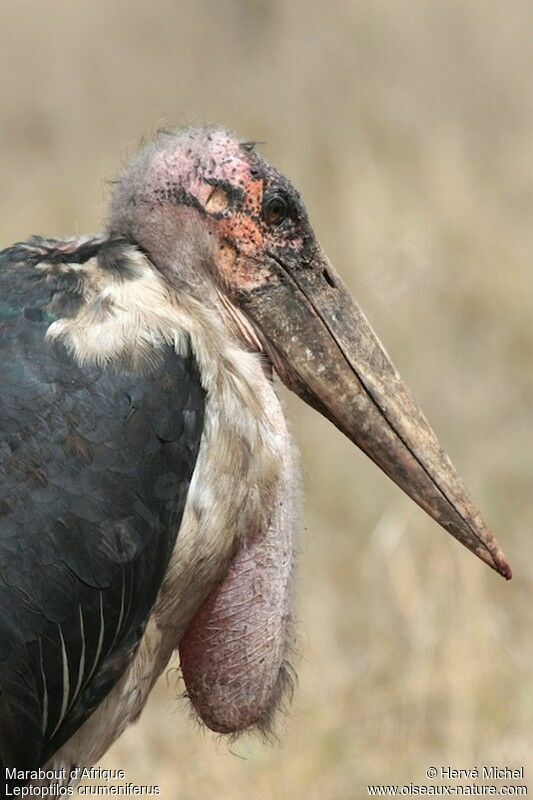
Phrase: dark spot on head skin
(234, 193)
(178, 196)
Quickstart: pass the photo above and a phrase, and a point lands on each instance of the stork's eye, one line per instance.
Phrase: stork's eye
(276, 209)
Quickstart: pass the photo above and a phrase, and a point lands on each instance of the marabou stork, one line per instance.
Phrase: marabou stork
(148, 483)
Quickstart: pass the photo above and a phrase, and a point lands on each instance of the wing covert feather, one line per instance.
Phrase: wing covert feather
(95, 466)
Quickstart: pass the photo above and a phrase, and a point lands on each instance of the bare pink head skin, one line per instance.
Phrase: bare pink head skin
(221, 223)
(205, 190)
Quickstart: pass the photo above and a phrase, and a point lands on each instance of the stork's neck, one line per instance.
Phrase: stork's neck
(227, 597)
(244, 480)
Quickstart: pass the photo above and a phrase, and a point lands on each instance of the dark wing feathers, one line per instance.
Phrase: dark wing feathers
(38, 249)
(94, 471)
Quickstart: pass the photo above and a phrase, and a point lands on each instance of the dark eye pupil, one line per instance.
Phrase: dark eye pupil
(276, 210)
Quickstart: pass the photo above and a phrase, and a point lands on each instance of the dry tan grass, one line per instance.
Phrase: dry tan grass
(408, 128)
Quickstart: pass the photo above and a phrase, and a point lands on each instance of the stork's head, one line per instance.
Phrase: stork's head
(215, 216)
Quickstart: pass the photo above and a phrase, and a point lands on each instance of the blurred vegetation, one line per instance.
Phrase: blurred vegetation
(407, 126)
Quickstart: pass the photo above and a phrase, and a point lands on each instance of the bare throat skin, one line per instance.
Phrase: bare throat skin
(234, 651)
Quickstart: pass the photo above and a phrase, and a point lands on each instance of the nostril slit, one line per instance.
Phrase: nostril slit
(329, 279)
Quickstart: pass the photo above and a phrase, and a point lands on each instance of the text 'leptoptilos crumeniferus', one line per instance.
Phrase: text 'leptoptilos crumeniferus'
(147, 498)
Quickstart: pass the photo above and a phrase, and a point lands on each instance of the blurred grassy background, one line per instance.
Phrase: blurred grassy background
(407, 126)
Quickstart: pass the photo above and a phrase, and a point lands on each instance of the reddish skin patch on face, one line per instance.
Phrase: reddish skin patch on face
(246, 269)
(243, 231)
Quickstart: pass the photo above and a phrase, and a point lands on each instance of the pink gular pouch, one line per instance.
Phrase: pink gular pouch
(234, 654)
